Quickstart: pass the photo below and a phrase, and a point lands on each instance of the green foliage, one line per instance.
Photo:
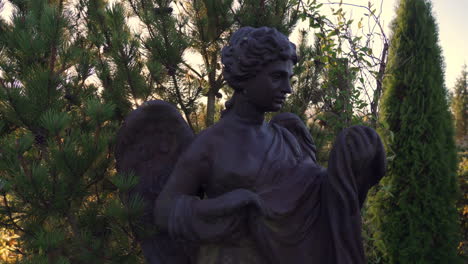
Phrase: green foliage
(57, 130)
(460, 108)
(98, 112)
(462, 204)
(281, 14)
(55, 122)
(125, 182)
(306, 84)
(414, 211)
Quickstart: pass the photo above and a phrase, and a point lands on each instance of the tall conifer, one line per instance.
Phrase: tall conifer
(415, 209)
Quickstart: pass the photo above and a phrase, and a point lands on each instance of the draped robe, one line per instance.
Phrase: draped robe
(314, 213)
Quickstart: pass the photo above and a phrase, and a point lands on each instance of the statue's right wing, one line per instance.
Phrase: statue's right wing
(149, 143)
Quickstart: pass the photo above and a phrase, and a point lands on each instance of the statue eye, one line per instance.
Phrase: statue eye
(276, 76)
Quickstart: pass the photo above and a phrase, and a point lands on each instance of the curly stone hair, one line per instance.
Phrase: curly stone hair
(250, 49)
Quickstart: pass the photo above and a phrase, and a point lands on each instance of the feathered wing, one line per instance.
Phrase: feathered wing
(149, 143)
(297, 127)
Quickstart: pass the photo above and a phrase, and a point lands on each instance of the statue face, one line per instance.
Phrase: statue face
(267, 91)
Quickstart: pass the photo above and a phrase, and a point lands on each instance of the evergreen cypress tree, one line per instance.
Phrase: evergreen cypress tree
(415, 209)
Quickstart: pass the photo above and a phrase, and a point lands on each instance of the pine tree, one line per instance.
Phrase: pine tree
(460, 106)
(165, 44)
(58, 185)
(306, 82)
(415, 210)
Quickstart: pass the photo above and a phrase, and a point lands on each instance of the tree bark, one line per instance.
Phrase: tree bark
(344, 87)
(210, 108)
(378, 89)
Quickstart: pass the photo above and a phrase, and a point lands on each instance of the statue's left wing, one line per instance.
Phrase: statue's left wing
(297, 127)
(149, 143)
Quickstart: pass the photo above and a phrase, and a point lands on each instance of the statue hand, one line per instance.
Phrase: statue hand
(361, 140)
(229, 203)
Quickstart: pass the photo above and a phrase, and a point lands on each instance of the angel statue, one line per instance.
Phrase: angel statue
(247, 191)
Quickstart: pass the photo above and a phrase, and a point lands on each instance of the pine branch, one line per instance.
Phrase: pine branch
(10, 214)
(192, 69)
(129, 77)
(376, 18)
(53, 52)
(182, 105)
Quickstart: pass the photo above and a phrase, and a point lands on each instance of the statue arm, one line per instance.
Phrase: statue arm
(368, 159)
(357, 162)
(179, 210)
(186, 179)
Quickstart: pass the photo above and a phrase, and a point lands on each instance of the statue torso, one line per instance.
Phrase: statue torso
(240, 153)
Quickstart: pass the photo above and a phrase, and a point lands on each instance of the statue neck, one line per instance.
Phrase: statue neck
(243, 110)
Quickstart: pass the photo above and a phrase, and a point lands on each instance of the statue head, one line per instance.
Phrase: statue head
(250, 50)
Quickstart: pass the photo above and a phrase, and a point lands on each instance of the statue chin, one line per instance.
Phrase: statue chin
(277, 107)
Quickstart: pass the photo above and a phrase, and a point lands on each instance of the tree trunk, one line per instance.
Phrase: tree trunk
(378, 89)
(344, 86)
(210, 108)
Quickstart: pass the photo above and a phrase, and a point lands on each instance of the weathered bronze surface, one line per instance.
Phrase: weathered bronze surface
(244, 190)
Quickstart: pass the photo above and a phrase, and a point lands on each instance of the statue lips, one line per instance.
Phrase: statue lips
(279, 99)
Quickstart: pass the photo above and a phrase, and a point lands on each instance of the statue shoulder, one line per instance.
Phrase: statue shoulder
(205, 144)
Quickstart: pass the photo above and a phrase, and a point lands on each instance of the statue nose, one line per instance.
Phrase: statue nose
(287, 87)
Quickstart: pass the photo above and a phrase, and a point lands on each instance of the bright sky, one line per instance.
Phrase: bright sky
(451, 15)
(452, 18)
